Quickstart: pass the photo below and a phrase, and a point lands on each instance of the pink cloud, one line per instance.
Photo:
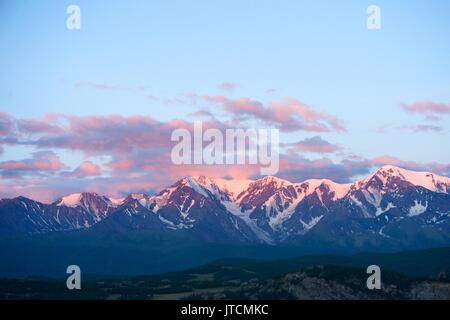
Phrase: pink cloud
(40, 161)
(288, 114)
(227, 86)
(38, 126)
(389, 160)
(243, 106)
(202, 113)
(138, 151)
(6, 124)
(112, 135)
(150, 97)
(107, 134)
(95, 85)
(150, 175)
(420, 128)
(434, 167)
(87, 169)
(314, 145)
(427, 107)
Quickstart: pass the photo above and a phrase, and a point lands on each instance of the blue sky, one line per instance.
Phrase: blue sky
(147, 54)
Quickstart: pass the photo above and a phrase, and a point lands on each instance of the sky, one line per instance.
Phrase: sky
(93, 109)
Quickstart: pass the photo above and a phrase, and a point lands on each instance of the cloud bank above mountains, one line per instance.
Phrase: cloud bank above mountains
(123, 154)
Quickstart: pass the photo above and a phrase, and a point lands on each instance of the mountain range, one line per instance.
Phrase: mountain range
(393, 208)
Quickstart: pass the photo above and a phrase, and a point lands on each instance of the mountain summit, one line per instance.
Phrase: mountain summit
(393, 205)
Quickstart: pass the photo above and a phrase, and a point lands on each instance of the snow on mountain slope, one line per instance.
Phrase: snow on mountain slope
(269, 204)
(260, 191)
(339, 190)
(426, 180)
(270, 209)
(393, 189)
(228, 193)
(272, 202)
(116, 201)
(72, 212)
(71, 200)
(417, 209)
(232, 187)
(191, 204)
(94, 204)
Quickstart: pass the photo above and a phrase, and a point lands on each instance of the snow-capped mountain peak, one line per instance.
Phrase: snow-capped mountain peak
(89, 203)
(116, 201)
(274, 180)
(71, 200)
(269, 209)
(339, 190)
(433, 182)
(233, 187)
(86, 200)
(218, 186)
